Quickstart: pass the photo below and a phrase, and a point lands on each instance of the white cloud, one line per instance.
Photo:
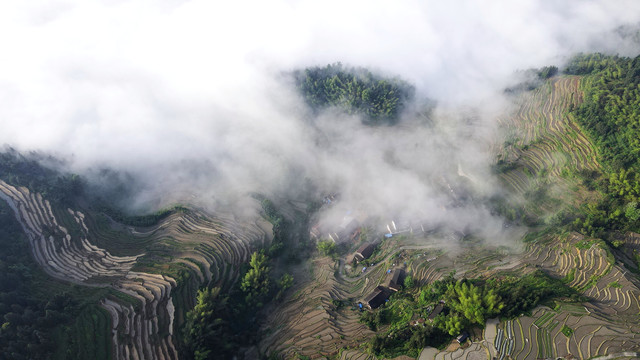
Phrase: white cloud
(185, 94)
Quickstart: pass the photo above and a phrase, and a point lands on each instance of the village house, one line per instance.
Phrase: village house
(364, 251)
(377, 297)
(395, 280)
(436, 311)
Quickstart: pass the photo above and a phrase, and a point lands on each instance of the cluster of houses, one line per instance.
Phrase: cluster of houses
(349, 230)
(380, 294)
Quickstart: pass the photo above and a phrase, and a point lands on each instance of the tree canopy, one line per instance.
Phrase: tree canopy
(256, 282)
(207, 326)
(610, 114)
(356, 91)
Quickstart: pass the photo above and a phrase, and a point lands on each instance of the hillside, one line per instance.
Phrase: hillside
(152, 281)
(549, 163)
(184, 282)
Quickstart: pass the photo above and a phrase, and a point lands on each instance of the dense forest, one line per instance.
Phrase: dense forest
(356, 91)
(610, 114)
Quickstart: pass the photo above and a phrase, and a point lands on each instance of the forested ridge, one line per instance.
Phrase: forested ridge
(611, 108)
(354, 90)
(610, 114)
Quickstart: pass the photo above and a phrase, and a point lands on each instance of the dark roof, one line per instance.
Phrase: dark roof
(397, 273)
(395, 282)
(365, 250)
(376, 298)
(435, 312)
(462, 338)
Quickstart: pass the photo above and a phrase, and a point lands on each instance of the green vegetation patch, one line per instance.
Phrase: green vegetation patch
(585, 244)
(355, 91)
(407, 323)
(397, 333)
(615, 284)
(222, 322)
(567, 331)
(542, 320)
(140, 220)
(611, 117)
(521, 294)
(327, 247)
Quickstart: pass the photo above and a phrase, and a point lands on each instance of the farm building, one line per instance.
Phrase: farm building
(395, 280)
(377, 297)
(364, 251)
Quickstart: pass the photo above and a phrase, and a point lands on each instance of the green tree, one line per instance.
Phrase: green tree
(475, 303)
(454, 324)
(547, 72)
(256, 282)
(206, 327)
(327, 247)
(632, 212)
(285, 282)
(408, 282)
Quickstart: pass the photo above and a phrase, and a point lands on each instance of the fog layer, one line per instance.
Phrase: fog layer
(191, 98)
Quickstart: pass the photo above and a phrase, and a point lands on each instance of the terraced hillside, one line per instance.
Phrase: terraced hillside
(545, 148)
(542, 138)
(200, 248)
(321, 319)
(311, 323)
(607, 324)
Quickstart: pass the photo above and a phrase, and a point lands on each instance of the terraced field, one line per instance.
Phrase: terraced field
(310, 324)
(142, 318)
(608, 324)
(542, 137)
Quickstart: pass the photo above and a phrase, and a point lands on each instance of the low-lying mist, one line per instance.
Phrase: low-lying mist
(191, 101)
